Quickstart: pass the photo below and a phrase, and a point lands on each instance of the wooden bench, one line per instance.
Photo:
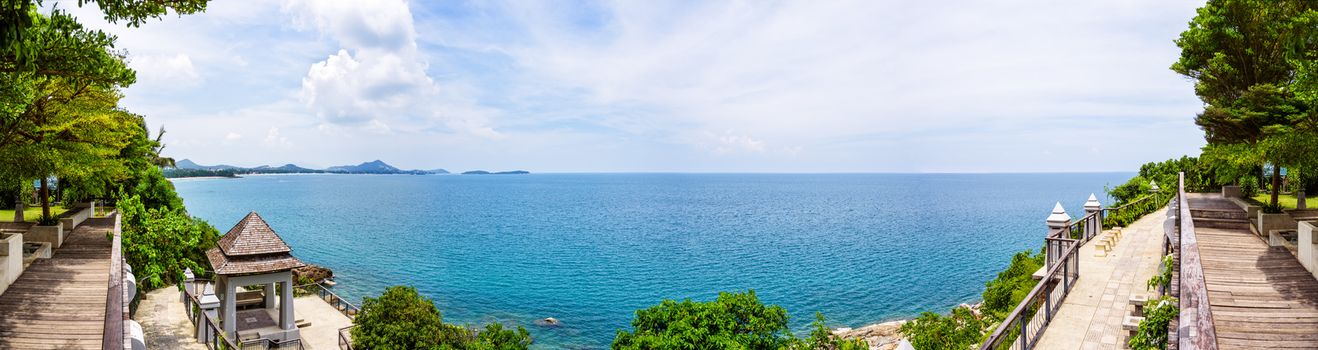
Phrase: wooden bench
(244, 300)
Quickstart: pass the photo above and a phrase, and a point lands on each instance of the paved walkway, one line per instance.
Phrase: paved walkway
(1099, 300)
(59, 303)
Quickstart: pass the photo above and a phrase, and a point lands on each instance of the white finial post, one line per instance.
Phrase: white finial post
(1153, 187)
(1092, 209)
(1057, 222)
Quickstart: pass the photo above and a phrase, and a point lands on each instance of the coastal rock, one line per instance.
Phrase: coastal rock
(548, 322)
(312, 273)
(880, 336)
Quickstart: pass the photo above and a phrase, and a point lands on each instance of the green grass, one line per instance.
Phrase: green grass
(30, 214)
(1287, 201)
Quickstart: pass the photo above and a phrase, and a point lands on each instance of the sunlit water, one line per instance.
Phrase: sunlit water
(590, 249)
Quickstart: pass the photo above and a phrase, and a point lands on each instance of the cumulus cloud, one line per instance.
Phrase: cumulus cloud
(378, 80)
(232, 136)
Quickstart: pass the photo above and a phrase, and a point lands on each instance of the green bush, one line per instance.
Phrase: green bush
(403, 319)
(959, 330)
(1003, 293)
(1164, 276)
(1152, 333)
(733, 321)
(159, 243)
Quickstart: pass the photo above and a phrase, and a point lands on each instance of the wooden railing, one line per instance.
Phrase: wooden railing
(343, 305)
(1195, 325)
(1023, 327)
(112, 336)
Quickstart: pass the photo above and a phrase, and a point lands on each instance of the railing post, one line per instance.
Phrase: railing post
(1093, 210)
(1025, 337)
(1058, 221)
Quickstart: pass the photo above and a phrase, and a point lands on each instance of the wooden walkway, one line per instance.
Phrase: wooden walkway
(1260, 296)
(59, 303)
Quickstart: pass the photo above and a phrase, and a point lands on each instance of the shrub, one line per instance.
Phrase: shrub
(959, 330)
(1152, 333)
(733, 321)
(403, 319)
(160, 243)
(1164, 276)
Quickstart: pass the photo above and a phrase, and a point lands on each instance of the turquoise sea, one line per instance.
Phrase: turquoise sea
(590, 249)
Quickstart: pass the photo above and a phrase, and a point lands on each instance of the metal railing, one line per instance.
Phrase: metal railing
(267, 344)
(345, 338)
(343, 305)
(1023, 327)
(207, 331)
(1195, 323)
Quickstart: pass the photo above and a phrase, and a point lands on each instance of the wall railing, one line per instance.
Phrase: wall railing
(345, 338)
(1195, 328)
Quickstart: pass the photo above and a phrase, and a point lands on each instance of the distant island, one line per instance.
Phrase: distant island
(483, 172)
(188, 168)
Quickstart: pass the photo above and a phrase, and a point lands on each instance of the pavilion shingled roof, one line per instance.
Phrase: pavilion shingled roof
(251, 247)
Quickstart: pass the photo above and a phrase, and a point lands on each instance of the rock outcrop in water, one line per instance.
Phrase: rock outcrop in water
(313, 273)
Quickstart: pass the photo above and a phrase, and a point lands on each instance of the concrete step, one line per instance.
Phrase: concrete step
(1222, 223)
(1219, 213)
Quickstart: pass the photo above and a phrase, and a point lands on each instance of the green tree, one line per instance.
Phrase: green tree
(159, 243)
(1244, 56)
(403, 319)
(18, 17)
(733, 321)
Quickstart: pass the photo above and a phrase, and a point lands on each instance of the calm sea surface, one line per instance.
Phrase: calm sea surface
(590, 249)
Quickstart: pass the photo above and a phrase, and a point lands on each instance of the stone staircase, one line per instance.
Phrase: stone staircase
(1220, 218)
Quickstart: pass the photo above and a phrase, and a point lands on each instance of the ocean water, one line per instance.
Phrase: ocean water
(590, 249)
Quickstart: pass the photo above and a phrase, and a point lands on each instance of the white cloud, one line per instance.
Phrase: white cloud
(232, 136)
(656, 86)
(378, 79)
(274, 138)
(174, 70)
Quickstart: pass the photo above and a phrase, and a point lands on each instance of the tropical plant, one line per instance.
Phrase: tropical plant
(160, 243)
(1164, 277)
(959, 330)
(403, 319)
(1152, 332)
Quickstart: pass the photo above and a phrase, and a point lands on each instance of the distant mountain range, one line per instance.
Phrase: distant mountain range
(188, 168)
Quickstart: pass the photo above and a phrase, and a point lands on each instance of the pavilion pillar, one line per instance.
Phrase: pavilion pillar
(269, 290)
(286, 303)
(228, 308)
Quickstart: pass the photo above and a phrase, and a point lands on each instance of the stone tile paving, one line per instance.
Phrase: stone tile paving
(1090, 317)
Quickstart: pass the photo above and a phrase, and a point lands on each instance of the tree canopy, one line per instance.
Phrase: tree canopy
(1250, 60)
(403, 319)
(732, 321)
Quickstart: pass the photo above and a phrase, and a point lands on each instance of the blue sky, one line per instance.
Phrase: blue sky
(699, 86)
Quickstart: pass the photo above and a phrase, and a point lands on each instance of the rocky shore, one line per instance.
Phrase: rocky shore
(880, 336)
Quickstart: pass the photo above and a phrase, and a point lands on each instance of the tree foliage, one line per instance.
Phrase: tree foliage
(403, 319)
(732, 321)
(960, 330)
(1251, 61)
(159, 243)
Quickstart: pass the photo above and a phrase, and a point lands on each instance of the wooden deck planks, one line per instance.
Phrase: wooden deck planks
(1261, 297)
(59, 303)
